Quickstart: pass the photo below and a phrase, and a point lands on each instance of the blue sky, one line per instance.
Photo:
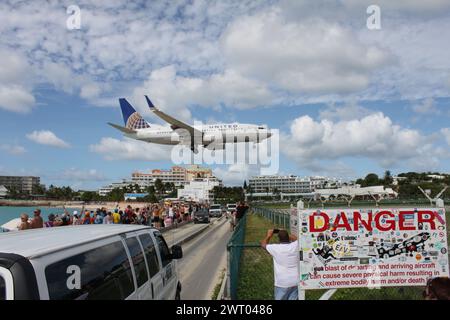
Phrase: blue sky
(347, 100)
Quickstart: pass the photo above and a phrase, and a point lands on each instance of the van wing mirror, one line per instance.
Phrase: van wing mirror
(177, 252)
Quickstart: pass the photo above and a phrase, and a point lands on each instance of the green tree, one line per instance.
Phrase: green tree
(371, 180)
(159, 186)
(388, 180)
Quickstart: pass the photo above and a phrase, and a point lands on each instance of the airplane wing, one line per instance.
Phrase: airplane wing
(174, 123)
(123, 129)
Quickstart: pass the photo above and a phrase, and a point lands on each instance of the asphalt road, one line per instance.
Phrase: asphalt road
(204, 257)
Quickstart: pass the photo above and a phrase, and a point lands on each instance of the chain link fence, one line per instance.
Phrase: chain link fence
(251, 267)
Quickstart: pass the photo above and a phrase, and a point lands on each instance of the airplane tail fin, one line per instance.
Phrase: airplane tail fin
(132, 119)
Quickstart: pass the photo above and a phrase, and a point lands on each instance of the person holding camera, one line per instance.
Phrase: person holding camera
(285, 263)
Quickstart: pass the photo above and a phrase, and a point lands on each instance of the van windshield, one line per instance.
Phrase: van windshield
(215, 206)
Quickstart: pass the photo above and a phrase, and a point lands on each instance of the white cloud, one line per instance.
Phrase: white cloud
(239, 54)
(14, 94)
(47, 137)
(236, 174)
(374, 137)
(349, 111)
(129, 149)
(307, 56)
(13, 149)
(446, 133)
(174, 93)
(15, 98)
(74, 174)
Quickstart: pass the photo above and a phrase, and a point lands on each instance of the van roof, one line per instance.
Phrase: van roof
(38, 242)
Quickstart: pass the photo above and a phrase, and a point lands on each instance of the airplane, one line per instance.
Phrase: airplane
(211, 136)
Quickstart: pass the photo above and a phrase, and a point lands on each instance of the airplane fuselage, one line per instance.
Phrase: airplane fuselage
(217, 133)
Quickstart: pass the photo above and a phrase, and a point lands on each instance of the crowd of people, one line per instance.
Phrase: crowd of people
(156, 215)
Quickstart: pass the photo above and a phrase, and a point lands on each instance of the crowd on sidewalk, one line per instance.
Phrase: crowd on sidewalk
(155, 214)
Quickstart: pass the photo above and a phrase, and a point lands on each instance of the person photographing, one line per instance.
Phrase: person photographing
(285, 263)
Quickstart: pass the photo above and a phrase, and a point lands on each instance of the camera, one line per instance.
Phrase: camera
(276, 230)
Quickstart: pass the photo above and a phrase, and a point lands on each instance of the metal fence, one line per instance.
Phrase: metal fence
(279, 217)
(250, 268)
(234, 252)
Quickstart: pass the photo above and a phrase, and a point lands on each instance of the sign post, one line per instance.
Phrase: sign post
(296, 228)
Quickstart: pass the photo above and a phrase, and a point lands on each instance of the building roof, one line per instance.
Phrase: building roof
(37, 242)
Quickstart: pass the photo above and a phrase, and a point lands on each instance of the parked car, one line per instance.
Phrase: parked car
(215, 210)
(92, 262)
(201, 216)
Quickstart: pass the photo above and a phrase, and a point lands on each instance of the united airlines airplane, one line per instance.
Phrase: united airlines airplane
(211, 136)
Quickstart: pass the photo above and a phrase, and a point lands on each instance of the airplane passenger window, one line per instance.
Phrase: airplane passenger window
(150, 254)
(137, 256)
(103, 274)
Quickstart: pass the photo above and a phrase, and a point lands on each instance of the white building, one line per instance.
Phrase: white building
(379, 191)
(290, 184)
(199, 190)
(3, 192)
(177, 175)
(107, 189)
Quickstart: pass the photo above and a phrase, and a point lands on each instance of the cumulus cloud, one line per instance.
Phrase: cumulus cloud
(13, 149)
(15, 94)
(374, 137)
(236, 174)
(174, 93)
(312, 56)
(129, 149)
(239, 54)
(47, 137)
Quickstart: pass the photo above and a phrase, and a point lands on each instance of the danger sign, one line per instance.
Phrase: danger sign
(345, 248)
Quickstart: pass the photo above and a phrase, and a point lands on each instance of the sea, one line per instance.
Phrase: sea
(9, 213)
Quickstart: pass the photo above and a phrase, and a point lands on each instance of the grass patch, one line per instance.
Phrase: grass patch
(218, 286)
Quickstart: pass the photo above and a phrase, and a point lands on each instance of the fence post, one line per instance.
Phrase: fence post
(228, 288)
(300, 206)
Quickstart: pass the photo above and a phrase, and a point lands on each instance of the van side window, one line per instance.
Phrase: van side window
(163, 249)
(150, 254)
(137, 256)
(2, 289)
(102, 273)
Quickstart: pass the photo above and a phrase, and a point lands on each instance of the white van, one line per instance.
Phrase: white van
(106, 262)
(231, 207)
